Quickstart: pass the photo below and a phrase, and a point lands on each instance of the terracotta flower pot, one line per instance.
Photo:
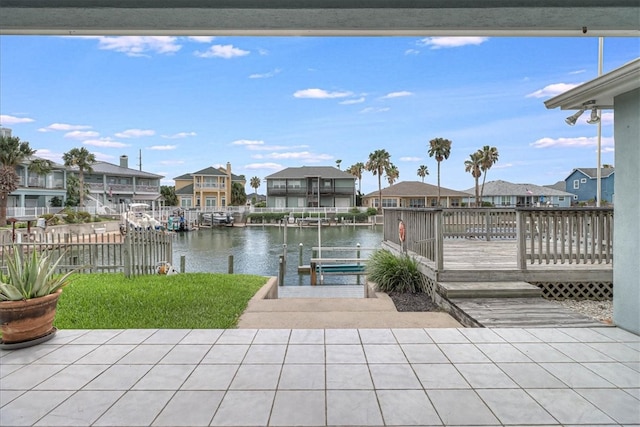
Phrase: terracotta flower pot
(22, 321)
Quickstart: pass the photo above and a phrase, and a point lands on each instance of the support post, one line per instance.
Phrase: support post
(358, 263)
(522, 240)
(182, 263)
(312, 273)
(281, 269)
(300, 254)
(230, 264)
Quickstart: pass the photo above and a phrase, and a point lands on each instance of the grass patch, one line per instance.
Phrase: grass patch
(182, 301)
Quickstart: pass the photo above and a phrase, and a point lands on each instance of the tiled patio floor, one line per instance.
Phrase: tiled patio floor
(246, 377)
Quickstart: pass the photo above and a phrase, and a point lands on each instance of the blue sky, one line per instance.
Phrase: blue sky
(267, 103)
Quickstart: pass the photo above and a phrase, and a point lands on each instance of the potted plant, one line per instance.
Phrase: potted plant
(29, 295)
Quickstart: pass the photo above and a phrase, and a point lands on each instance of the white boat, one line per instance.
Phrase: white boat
(217, 218)
(139, 217)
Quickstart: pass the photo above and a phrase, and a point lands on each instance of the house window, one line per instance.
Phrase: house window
(211, 202)
(561, 198)
(294, 184)
(583, 181)
(389, 203)
(576, 184)
(186, 202)
(505, 200)
(279, 184)
(416, 203)
(223, 201)
(455, 203)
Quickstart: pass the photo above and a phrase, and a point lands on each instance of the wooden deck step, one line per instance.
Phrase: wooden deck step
(489, 289)
(522, 313)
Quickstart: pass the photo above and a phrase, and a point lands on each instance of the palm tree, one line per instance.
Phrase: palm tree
(474, 166)
(255, 183)
(488, 157)
(83, 160)
(423, 171)
(379, 162)
(338, 163)
(12, 153)
(392, 173)
(356, 170)
(439, 148)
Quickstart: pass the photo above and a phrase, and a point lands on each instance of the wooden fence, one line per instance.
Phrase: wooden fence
(139, 252)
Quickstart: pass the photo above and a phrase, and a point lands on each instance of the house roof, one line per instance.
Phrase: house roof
(210, 171)
(560, 186)
(111, 169)
(187, 190)
(54, 165)
(504, 188)
(593, 172)
(326, 172)
(416, 189)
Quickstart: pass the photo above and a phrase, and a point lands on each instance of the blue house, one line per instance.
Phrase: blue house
(582, 183)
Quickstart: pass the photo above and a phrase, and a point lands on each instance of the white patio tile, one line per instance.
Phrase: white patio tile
(27, 355)
(463, 353)
(568, 407)
(287, 408)
(305, 353)
(97, 336)
(302, 377)
(132, 336)
(515, 407)
(576, 376)
(147, 354)
(446, 335)
(384, 353)
(530, 375)
(440, 376)
(348, 377)
(411, 336)
(619, 334)
(353, 408)
(506, 352)
(65, 336)
(461, 407)
(272, 336)
(307, 336)
(516, 335)
(256, 377)
(29, 377)
(586, 335)
(377, 336)
(181, 354)
(407, 407)
(581, 352)
(68, 353)
(618, 351)
(265, 353)
(228, 354)
(167, 336)
(190, 408)
(81, 409)
(394, 376)
(73, 377)
(634, 392)
(550, 335)
(7, 396)
(106, 354)
(210, 377)
(615, 403)
(7, 369)
(244, 408)
(345, 354)
(423, 353)
(135, 408)
(29, 407)
(119, 377)
(542, 352)
(164, 377)
(341, 336)
(485, 375)
(237, 336)
(481, 335)
(616, 373)
(202, 336)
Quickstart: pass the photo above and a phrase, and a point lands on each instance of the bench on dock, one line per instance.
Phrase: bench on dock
(341, 266)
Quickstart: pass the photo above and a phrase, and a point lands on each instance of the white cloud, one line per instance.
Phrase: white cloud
(105, 142)
(135, 133)
(273, 166)
(103, 157)
(502, 166)
(552, 90)
(578, 72)
(353, 101)
(180, 135)
(163, 147)
(581, 141)
(222, 51)
(138, 45)
(171, 162)
(374, 110)
(63, 127)
(247, 142)
(45, 153)
(320, 94)
(6, 120)
(412, 52)
(201, 39)
(607, 150)
(80, 134)
(447, 42)
(606, 118)
(397, 94)
(299, 155)
(274, 147)
(265, 75)
(410, 159)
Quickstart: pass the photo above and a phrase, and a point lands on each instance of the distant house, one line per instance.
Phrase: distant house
(311, 186)
(583, 184)
(258, 198)
(507, 194)
(414, 194)
(208, 188)
(36, 191)
(109, 183)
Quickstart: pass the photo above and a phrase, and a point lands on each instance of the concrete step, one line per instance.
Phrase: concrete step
(489, 290)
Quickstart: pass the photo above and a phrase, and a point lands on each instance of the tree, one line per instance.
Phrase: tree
(73, 191)
(82, 159)
(439, 148)
(13, 152)
(392, 173)
(488, 157)
(473, 165)
(356, 170)
(378, 163)
(238, 195)
(169, 194)
(255, 183)
(338, 163)
(423, 171)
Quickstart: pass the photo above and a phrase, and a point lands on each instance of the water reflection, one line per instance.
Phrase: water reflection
(256, 249)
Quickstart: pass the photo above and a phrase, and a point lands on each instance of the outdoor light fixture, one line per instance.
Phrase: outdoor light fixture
(572, 119)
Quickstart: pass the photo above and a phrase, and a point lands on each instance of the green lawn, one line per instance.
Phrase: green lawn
(183, 301)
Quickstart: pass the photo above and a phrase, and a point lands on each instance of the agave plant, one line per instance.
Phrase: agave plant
(32, 277)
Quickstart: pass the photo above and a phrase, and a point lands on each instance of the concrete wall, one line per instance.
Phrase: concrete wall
(626, 246)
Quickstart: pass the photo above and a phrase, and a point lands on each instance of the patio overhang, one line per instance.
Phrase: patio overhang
(601, 90)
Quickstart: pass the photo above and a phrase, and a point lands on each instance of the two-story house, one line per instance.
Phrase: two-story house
(109, 183)
(583, 184)
(311, 186)
(37, 190)
(208, 188)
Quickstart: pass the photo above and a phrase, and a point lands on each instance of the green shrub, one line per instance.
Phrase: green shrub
(267, 217)
(393, 273)
(372, 211)
(84, 216)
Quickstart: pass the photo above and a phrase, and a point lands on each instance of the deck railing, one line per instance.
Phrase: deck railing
(544, 235)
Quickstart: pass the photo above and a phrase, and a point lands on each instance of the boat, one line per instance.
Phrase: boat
(211, 219)
(138, 217)
(176, 221)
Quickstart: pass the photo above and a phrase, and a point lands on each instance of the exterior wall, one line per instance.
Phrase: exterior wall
(626, 246)
(588, 187)
(37, 190)
(303, 192)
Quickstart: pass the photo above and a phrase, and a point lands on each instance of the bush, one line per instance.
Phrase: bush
(393, 273)
(267, 217)
(372, 211)
(84, 216)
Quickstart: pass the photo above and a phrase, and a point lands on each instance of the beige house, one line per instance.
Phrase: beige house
(209, 188)
(414, 194)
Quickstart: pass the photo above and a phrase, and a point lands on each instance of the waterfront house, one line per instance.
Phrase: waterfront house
(36, 190)
(507, 194)
(208, 188)
(583, 184)
(116, 184)
(311, 186)
(414, 194)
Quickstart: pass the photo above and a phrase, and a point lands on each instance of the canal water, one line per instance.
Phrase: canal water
(256, 249)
